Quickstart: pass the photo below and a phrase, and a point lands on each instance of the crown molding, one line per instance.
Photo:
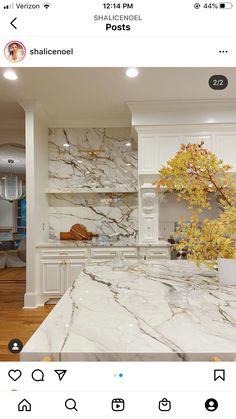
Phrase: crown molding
(90, 123)
(179, 102)
(183, 112)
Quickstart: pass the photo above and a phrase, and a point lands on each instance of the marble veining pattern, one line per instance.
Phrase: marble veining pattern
(117, 221)
(165, 310)
(113, 167)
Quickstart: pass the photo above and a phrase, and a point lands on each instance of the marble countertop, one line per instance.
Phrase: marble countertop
(162, 311)
(95, 243)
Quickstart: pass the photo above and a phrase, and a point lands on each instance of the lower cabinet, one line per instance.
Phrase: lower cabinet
(58, 275)
(72, 271)
(60, 268)
(110, 253)
(154, 253)
(52, 277)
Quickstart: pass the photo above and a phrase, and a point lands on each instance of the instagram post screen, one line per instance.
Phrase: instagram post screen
(117, 209)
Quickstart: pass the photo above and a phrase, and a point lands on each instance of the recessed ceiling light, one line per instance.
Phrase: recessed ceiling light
(132, 72)
(10, 75)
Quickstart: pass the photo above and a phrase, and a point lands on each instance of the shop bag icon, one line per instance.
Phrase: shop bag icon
(164, 405)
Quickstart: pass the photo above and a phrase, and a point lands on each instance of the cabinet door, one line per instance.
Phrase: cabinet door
(73, 270)
(148, 154)
(168, 147)
(224, 146)
(53, 277)
(207, 139)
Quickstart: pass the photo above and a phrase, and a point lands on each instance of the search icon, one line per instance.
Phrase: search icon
(71, 404)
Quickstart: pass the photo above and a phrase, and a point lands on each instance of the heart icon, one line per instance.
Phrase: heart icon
(14, 374)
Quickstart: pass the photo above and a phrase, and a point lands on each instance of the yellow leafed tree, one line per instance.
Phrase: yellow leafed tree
(195, 173)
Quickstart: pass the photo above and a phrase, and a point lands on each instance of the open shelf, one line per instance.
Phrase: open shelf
(82, 191)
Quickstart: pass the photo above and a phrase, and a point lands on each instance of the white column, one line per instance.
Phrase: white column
(36, 133)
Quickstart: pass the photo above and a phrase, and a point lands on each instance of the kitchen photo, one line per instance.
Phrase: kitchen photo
(117, 214)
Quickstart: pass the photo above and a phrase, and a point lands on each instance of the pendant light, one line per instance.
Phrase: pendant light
(11, 186)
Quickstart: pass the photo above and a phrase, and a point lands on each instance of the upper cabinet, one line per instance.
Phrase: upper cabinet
(168, 146)
(156, 149)
(162, 126)
(224, 146)
(197, 138)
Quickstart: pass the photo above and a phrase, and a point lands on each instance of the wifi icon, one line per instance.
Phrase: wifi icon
(46, 5)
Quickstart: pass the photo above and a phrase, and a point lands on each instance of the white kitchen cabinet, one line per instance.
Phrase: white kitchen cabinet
(156, 149)
(60, 267)
(168, 145)
(154, 253)
(72, 270)
(56, 253)
(109, 253)
(198, 138)
(57, 268)
(58, 275)
(224, 146)
(53, 277)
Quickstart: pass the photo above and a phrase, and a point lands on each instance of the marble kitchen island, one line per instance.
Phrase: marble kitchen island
(154, 311)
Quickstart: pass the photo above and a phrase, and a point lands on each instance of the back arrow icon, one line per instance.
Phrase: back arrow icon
(12, 23)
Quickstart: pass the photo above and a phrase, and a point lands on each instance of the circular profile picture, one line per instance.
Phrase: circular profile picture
(15, 51)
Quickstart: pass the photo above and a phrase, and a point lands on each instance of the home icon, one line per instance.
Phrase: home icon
(24, 406)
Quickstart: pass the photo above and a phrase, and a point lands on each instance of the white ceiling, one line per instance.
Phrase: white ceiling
(97, 96)
(16, 153)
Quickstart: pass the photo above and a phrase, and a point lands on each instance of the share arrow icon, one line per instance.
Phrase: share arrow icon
(60, 373)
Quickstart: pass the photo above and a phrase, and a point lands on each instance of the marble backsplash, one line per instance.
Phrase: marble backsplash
(115, 216)
(92, 159)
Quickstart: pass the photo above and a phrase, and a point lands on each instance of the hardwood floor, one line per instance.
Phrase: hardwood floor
(15, 322)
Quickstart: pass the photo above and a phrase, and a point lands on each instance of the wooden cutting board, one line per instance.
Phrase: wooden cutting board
(80, 232)
(77, 232)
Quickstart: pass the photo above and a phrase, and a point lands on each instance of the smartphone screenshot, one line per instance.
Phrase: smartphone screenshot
(117, 209)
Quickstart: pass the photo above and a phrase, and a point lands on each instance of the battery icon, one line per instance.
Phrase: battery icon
(226, 5)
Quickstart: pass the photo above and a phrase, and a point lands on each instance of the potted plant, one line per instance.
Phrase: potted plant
(197, 175)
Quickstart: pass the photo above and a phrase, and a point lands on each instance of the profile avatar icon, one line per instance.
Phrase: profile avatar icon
(211, 405)
(15, 346)
(15, 51)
